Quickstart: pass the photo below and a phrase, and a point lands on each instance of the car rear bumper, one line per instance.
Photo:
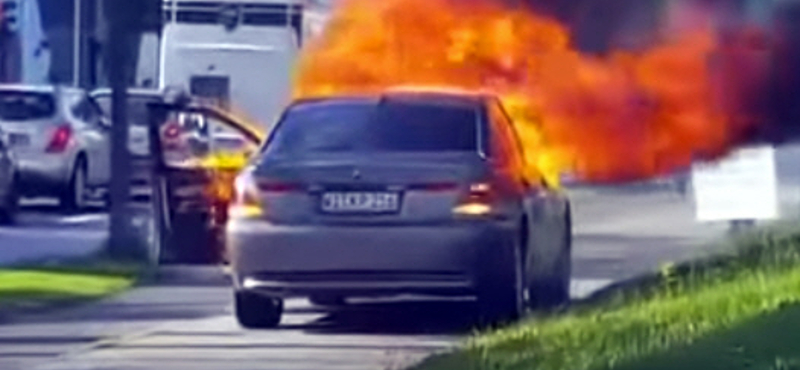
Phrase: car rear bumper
(43, 175)
(333, 284)
(361, 260)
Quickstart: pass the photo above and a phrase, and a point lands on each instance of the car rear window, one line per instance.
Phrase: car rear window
(393, 126)
(21, 106)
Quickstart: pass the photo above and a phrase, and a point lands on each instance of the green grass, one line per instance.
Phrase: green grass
(691, 308)
(53, 284)
(768, 342)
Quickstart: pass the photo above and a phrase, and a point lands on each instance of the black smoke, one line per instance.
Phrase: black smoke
(598, 26)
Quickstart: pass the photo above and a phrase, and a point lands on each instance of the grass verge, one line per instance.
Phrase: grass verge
(767, 342)
(53, 284)
(670, 312)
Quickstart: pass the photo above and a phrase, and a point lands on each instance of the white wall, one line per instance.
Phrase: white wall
(35, 59)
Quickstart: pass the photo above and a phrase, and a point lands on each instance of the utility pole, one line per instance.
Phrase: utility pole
(122, 243)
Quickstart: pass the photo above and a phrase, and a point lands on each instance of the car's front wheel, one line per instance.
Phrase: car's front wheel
(255, 311)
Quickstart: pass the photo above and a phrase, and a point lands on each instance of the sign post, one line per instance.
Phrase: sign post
(740, 189)
(126, 19)
(121, 243)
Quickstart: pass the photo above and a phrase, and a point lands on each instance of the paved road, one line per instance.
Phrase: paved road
(183, 321)
(41, 232)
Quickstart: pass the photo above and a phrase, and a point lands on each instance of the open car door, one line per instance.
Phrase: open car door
(198, 150)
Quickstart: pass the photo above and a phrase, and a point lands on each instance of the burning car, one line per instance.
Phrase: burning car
(406, 192)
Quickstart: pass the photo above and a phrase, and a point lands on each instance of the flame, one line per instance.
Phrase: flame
(626, 115)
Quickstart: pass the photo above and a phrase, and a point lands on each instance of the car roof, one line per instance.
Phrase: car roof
(439, 89)
(130, 91)
(444, 96)
(169, 2)
(37, 88)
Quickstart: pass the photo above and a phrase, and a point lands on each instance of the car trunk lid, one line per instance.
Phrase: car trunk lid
(385, 188)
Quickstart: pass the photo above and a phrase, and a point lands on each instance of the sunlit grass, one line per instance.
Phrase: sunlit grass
(667, 312)
(52, 284)
(765, 342)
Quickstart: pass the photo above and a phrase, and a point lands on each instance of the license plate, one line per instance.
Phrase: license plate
(360, 202)
(19, 140)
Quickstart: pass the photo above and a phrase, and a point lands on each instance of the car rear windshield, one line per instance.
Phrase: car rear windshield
(21, 106)
(394, 126)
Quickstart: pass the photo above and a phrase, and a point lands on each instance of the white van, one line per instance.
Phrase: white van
(239, 54)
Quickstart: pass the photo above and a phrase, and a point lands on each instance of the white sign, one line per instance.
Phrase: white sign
(742, 186)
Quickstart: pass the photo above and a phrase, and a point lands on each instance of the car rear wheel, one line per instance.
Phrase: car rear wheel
(501, 296)
(553, 291)
(254, 311)
(73, 197)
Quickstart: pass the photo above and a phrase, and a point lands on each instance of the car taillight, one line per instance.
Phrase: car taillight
(60, 139)
(172, 131)
(477, 201)
(246, 203)
(278, 187)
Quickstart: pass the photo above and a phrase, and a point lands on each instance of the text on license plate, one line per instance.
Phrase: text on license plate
(360, 202)
(19, 139)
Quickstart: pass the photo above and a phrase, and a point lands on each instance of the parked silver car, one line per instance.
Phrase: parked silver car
(60, 139)
(138, 100)
(418, 192)
(8, 181)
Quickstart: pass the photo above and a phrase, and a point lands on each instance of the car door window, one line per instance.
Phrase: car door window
(80, 112)
(95, 114)
(88, 113)
(226, 139)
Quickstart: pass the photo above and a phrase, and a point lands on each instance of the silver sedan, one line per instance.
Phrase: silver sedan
(406, 193)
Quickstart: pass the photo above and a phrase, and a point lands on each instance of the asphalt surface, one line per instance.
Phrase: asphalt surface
(41, 231)
(183, 320)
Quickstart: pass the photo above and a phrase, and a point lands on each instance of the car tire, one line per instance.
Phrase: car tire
(327, 300)
(553, 291)
(10, 205)
(254, 311)
(73, 197)
(501, 295)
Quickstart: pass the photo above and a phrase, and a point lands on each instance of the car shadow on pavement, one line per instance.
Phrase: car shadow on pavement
(370, 317)
(392, 318)
(189, 276)
(55, 209)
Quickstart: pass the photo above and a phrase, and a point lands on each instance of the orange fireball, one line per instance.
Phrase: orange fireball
(618, 117)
